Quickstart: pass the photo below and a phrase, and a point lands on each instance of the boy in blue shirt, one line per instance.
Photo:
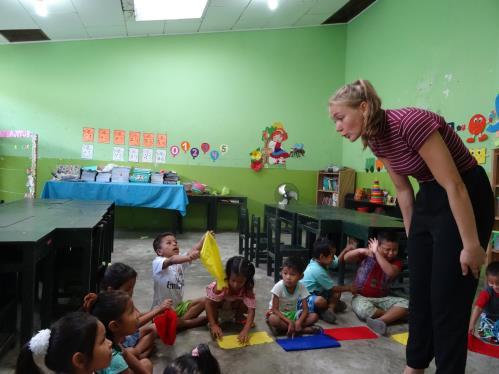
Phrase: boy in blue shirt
(325, 296)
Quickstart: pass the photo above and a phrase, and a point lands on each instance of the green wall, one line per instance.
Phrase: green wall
(406, 49)
(220, 88)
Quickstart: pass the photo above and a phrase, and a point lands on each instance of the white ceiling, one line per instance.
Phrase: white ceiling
(89, 19)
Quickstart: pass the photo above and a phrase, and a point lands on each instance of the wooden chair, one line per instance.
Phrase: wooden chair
(258, 242)
(243, 232)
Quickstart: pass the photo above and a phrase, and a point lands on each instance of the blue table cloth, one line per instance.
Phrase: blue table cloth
(164, 196)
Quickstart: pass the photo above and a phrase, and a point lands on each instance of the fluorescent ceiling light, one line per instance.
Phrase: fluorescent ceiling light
(273, 4)
(155, 10)
(41, 8)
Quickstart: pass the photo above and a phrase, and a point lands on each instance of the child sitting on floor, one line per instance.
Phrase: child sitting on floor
(378, 267)
(76, 343)
(168, 275)
(117, 313)
(199, 361)
(324, 295)
(118, 276)
(487, 307)
(288, 309)
(238, 297)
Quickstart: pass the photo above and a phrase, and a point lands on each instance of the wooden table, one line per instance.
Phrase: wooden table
(31, 230)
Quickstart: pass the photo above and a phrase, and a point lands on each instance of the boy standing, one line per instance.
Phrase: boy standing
(378, 268)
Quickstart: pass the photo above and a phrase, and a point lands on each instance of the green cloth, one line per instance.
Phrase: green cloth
(182, 307)
(291, 315)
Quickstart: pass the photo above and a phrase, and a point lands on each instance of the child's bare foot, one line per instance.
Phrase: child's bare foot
(313, 330)
(376, 325)
(328, 316)
(340, 307)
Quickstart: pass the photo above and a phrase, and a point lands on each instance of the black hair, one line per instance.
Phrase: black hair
(73, 333)
(116, 275)
(323, 246)
(294, 262)
(157, 241)
(492, 269)
(107, 306)
(238, 265)
(203, 362)
(388, 236)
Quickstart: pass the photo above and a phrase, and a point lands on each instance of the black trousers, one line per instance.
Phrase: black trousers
(440, 296)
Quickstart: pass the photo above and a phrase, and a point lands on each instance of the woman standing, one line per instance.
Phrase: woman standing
(448, 223)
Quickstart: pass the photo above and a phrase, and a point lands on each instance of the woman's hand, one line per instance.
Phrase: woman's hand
(472, 258)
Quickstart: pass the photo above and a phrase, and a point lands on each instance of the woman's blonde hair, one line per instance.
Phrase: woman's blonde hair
(353, 95)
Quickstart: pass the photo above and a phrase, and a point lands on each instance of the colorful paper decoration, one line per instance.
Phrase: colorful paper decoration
(160, 156)
(476, 127)
(255, 338)
(134, 138)
(376, 194)
(87, 151)
(205, 147)
(161, 140)
(194, 153)
(214, 155)
(370, 161)
(119, 137)
(133, 154)
(118, 153)
(401, 338)
(88, 134)
(147, 155)
(103, 136)
(378, 164)
(148, 139)
(174, 150)
(480, 154)
(210, 258)
(185, 145)
(224, 148)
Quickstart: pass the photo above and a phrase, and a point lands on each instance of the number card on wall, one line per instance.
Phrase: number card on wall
(133, 154)
(161, 140)
(148, 139)
(118, 154)
(87, 151)
(134, 138)
(119, 137)
(147, 155)
(88, 134)
(103, 136)
(160, 156)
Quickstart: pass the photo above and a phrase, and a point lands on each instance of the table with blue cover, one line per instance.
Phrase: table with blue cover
(147, 195)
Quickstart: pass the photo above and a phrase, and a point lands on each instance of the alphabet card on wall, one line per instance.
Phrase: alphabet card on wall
(119, 137)
(103, 136)
(147, 155)
(87, 151)
(133, 154)
(161, 140)
(148, 139)
(134, 138)
(160, 156)
(118, 154)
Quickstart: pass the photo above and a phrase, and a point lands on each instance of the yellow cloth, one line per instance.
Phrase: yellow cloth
(401, 338)
(230, 341)
(210, 257)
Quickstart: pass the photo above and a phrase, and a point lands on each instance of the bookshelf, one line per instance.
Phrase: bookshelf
(332, 187)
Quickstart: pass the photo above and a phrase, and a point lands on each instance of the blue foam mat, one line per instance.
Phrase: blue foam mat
(302, 343)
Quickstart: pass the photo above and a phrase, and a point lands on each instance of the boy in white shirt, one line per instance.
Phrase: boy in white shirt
(168, 276)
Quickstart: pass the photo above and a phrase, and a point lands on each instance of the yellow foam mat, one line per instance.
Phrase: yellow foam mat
(401, 338)
(230, 341)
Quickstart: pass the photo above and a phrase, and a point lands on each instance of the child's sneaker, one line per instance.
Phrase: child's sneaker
(376, 325)
(328, 316)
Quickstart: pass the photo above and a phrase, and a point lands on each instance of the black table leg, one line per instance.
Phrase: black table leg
(28, 293)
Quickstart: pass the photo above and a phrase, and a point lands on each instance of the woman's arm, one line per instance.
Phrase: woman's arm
(405, 194)
(439, 160)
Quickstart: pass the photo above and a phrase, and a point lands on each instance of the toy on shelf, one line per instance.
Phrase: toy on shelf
(376, 194)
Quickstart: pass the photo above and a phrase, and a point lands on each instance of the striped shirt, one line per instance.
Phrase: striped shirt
(405, 131)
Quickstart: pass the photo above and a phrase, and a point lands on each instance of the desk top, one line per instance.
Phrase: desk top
(28, 220)
(148, 195)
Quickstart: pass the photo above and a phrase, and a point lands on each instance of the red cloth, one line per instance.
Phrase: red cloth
(483, 299)
(351, 333)
(166, 325)
(479, 346)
